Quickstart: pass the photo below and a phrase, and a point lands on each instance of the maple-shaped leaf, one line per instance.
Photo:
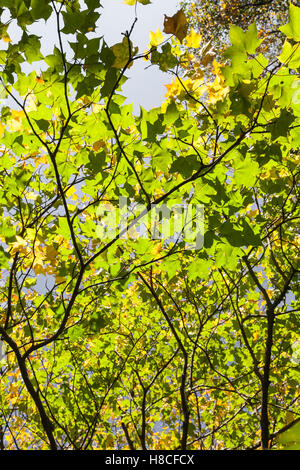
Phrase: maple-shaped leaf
(291, 29)
(177, 25)
(121, 53)
(193, 39)
(156, 38)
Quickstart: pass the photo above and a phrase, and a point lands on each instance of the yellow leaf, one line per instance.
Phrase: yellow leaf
(31, 105)
(156, 38)
(193, 39)
(14, 399)
(38, 267)
(133, 2)
(15, 124)
(177, 89)
(6, 38)
(51, 254)
(30, 234)
(97, 108)
(253, 213)
(297, 242)
(31, 195)
(157, 249)
(71, 193)
(177, 25)
(40, 160)
(19, 246)
(173, 88)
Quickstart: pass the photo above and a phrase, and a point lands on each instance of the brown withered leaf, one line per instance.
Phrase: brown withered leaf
(177, 25)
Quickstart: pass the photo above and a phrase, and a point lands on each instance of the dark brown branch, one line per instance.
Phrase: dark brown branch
(183, 393)
(46, 422)
(128, 439)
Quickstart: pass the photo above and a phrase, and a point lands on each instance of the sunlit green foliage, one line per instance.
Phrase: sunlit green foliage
(136, 343)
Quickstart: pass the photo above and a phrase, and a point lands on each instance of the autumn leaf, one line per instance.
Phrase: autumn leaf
(31, 195)
(6, 38)
(20, 245)
(193, 39)
(157, 249)
(51, 254)
(177, 25)
(3, 33)
(121, 53)
(178, 88)
(39, 80)
(38, 266)
(156, 38)
(41, 160)
(98, 145)
(15, 124)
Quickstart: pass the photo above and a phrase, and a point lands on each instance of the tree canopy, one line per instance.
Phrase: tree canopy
(214, 18)
(124, 327)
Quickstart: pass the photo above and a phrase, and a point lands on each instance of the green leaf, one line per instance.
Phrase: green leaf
(172, 114)
(165, 59)
(40, 9)
(42, 124)
(97, 322)
(291, 29)
(185, 165)
(199, 268)
(282, 124)
(76, 332)
(245, 41)
(4, 258)
(291, 438)
(290, 55)
(31, 45)
(110, 323)
(246, 172)
(233, 236)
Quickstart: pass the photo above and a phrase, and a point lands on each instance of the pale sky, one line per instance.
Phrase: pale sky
(145, 87)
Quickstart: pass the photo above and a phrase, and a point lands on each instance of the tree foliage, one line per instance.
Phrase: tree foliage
(213, 19)
(133, 342)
